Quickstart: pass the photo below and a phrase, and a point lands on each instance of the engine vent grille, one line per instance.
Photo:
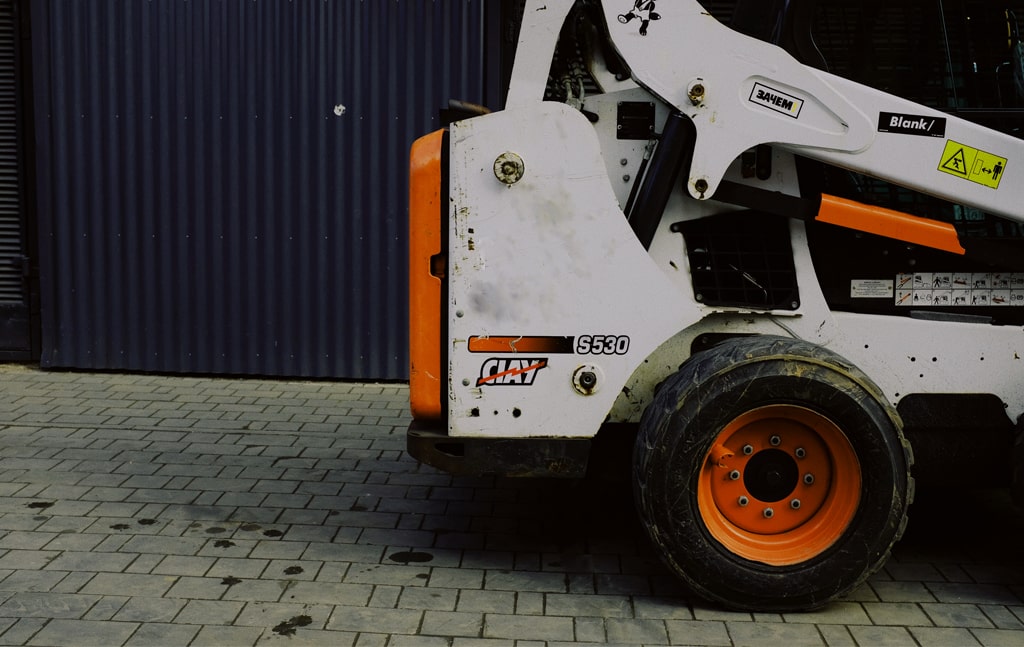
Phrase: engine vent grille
(741, 260)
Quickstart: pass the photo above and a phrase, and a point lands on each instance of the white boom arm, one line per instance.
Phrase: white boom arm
(741, 92)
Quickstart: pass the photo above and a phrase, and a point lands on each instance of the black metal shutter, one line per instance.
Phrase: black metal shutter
(15, 337)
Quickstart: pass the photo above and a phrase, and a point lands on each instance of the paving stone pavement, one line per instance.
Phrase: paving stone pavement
(164, 510)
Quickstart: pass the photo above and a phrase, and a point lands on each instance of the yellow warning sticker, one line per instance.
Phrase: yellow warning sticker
(972, 164)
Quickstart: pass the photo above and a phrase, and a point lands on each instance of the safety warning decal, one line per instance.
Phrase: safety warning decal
(870, 289)
(960, 289)
(972, 164)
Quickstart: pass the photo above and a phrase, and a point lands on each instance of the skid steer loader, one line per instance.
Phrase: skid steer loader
(665, 236)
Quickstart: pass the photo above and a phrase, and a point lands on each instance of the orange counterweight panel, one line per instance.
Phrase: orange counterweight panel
(425, 294)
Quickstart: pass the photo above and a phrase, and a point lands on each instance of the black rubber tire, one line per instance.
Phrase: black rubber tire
(714, 387)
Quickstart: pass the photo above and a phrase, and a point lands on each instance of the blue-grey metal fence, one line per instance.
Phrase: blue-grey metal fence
(222, 183)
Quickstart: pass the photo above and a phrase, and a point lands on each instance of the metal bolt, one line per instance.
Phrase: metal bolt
(808, 478)
(623, 161)
(795, 504)
(696, 93)
(509, 168)
(743, 501)
(734, 475)
(588, 380)
(768, 513)
(800, 452)
(701, 186)
(465, 381)
(775, 441)
(625, 178)
(748, 450)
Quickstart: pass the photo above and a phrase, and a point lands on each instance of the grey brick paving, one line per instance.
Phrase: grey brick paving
(209, 511)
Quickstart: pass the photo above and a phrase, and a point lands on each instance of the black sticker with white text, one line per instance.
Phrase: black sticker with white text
(900, 124)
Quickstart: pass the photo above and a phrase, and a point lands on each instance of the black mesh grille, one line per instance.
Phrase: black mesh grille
(741, 260)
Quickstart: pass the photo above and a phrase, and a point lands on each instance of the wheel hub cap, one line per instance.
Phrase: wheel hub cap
(779, 483)
(771, 475)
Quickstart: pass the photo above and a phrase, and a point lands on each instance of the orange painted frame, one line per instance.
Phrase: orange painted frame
(889, 223)
(425, 237)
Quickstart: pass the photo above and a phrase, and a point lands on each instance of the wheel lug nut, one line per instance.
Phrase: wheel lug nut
(795, 504)
(808, 478)
(748, 450)
(768, 513)
(734, 475)
(775, 441)
(743, 501)
(800, 452)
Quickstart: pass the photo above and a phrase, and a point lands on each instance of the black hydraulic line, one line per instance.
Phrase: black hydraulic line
(751, 197)
(672, 156)
(763, 162)
(636, 185)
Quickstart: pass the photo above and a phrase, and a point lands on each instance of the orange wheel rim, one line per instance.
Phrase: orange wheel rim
(779, 485)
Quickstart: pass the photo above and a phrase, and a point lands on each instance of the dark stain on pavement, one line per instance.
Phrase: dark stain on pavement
(287, 628)
(408, 557)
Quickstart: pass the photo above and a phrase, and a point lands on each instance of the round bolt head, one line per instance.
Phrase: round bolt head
(795, 504)
(748, 450)
(695, 92)
(588, 379)
(509, 168)
(808, 478)
(775, 441)
(768, 513)
(800, 452)
(743, 501)
(734, 475)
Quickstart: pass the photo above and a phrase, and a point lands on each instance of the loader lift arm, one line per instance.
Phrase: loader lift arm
(740, 92)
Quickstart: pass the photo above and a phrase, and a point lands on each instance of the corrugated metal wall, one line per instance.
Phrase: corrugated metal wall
(11, 281)
(222, 183)
(15, 324)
